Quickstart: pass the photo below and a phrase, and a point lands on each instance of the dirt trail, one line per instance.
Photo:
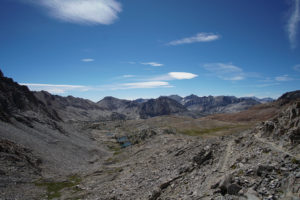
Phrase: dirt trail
(222, 167)
(276, 147)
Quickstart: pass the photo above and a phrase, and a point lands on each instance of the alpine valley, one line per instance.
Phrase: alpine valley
(172, 147)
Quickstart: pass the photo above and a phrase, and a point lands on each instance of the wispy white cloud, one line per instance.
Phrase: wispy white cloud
(154, 82)
(200, 37)
(273, 81)
(283, 78)
(153, 64)
(297, 68)
(82, 11)
(133, 85)
(62, 89)
(174, 76)
(87, 60)
(266, 85)
(128, 76)
(148, 84)
(56, 89)
(225, 71)
(182, 75)
(293, 22)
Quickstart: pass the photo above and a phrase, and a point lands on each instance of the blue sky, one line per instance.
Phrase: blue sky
(141, 48)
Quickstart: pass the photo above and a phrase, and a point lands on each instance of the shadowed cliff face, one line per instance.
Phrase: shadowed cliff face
(36, 142)
(160, 106)
(289, 96)
(15, 99)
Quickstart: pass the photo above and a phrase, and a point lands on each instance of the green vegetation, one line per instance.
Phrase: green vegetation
(295, 161)
(114, 170)
(54, 188)
(112, 160)
(116, 148)
(198, 132)
(233, 166)
(241, 172)
(214, 129)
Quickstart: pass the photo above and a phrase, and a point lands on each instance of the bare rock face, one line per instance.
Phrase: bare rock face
(113, 104)
(13, 154)
(18, 166)
(285, 127)
(289, 97)
(142, 108)
(217, 104)
(142, 135)
(203, 157)
(160, 106)
(16, 99)
(70, 108)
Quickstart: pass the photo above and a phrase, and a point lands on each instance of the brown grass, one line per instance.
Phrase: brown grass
(257, 113)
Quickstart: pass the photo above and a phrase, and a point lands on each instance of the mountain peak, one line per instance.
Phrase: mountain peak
(289, 96)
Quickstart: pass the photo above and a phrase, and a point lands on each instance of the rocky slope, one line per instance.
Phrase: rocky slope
(71, 108)
(191, 105)
(253, 164)
(55, 147)
(124, 107)
(262, 100)
(18, 169)
(288, 97)
(160, 106)
(216, 104)
(142, 108)
(19, 103)
(36, 142)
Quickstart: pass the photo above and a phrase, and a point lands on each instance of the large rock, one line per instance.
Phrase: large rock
(264, 169)
(203, 157)
(294, 135)
(233, 189)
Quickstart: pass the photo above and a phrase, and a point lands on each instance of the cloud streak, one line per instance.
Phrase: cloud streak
(182, 75)
(297, 68)
(293, 22)
(55, 89)
(224, 71)
(200, 37)
(147, 84)
(153, 64)
(87, 60)
(62, 89)
(283, 78)
(156, 82)
(90, 12)
(128, 76)
(267, 85)
(173, 76)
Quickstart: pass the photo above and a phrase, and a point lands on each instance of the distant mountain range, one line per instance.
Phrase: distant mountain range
(218, 104)
(18, 98)
(142, 108)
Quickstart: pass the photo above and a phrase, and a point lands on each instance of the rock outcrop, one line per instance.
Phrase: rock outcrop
(160, 106)
(16, 100)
